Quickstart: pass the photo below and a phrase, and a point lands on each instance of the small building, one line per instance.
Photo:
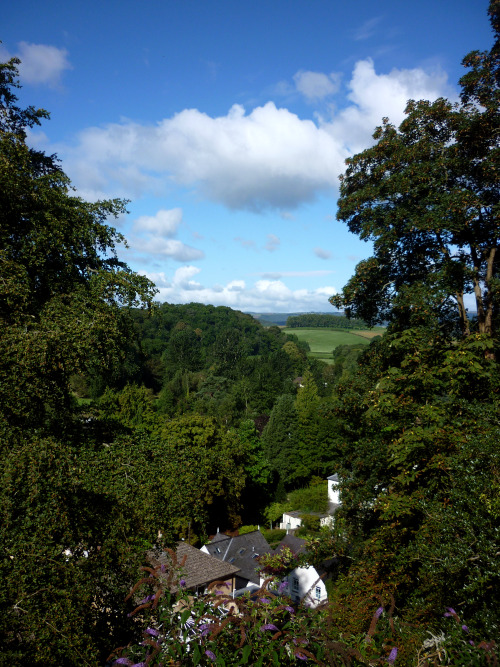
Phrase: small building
(293, 519)
(242, 551)
(199, 570)
(333, 490)
(305, 583)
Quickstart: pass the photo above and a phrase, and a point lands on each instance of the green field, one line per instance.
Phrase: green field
(323, 341)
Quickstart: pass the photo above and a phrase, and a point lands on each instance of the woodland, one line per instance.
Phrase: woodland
(126, 425)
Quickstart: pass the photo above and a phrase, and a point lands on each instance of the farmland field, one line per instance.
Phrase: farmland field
(322, 341)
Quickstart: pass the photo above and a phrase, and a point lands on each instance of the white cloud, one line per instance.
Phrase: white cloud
(245, 243)
(163, 224)
(273, 242)
(293, 274)
(152, 236)
(162, 248)
(322, 254)
(374, 96)
(266, 159)
(367, 29)
(315, 85)
(40, 63)
(262, 296)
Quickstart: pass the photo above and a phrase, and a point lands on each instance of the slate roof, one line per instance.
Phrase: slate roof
(241, 551)
(295, 544)
(200, 569)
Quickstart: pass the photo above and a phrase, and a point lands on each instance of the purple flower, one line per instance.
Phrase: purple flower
(282, 586)
(122, 661)
(392, 656)
(265, 600)
(152, 632)
(182, 583)
(290, 609)
(300, 656)
(465, 628)
(268, 626)
(471, 642)
(379, 612)
(211, 655)
(148, 598)
(450, 612)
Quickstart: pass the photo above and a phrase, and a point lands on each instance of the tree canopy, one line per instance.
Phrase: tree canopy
(427, 195)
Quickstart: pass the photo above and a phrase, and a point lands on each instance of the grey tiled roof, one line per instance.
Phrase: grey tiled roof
(241, 551)
(295, 544)
(199, 569)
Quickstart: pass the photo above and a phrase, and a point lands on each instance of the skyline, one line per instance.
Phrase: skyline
(227, 126)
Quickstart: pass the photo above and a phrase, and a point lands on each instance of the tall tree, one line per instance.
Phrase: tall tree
(427, 195)
(66, 548)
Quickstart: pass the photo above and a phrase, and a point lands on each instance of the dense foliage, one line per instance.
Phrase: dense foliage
(325, 320)
(126, 425)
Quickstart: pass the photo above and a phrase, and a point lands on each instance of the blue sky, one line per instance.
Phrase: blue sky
(227, 123)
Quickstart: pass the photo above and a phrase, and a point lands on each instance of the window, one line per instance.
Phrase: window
(295, 584)
(318, 592)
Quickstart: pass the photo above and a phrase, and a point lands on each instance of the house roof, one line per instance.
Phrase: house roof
(199, 569)
(241, 551)
(295, 544)
(333, 478)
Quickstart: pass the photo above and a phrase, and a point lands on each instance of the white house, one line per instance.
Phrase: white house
(293, 519)
(306, 584)
(334, 490)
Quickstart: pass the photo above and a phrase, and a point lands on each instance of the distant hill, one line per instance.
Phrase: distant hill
(280, 319)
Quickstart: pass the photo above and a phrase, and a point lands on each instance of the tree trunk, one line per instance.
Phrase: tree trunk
(464, 320)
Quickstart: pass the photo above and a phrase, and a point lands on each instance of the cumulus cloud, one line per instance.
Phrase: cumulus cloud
(152, 235)
(321, 253)
(40, 63)
(162, 248)
(163, 224)
(263, 296)
(316, 85)
(268, 158)
(374, 96)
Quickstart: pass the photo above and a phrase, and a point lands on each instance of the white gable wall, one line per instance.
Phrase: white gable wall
(334, 490)
(305, 582)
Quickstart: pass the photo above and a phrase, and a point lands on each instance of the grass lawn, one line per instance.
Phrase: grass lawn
(323, 341)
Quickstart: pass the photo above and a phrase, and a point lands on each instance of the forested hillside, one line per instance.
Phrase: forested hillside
(127, 425)
(322, 320)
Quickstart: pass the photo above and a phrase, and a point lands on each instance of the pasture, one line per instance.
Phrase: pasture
(323, 341)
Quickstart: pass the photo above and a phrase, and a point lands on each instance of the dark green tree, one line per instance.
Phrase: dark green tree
(427, 195)
(280, 440)
(416, 413)
(66, 547)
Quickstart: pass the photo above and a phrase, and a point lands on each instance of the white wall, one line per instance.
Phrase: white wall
(334, 491)
(290, 522)
(303, 582)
